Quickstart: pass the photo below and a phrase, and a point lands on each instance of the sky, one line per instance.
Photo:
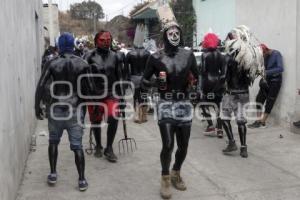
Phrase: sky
(111, 8)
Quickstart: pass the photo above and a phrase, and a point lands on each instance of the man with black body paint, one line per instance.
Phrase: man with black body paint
(213, 68)
(135, 65)
(104, 62)
(172, 65)
(235, 100)
(62, 110)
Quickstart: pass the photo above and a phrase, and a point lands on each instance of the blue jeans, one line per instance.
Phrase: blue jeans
(57, 126)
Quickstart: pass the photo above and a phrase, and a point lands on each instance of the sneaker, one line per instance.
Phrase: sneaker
(244, 153)
(210, 131)
(83, 185)
(110, 156)
(52, 178)
(256, 124)
(98, 152)
(220, 133)
(230, 147)
(263, 125)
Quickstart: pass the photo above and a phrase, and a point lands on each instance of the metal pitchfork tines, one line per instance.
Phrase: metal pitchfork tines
(126, 140)
(91, 148)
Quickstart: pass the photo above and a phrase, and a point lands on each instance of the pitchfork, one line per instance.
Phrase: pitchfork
(126, 139)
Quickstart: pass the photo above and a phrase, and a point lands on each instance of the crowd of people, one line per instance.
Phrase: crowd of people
(85, 81)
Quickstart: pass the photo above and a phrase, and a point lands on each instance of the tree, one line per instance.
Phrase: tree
(186, 17)
(86, 10)
(138, 7)
(78, 27)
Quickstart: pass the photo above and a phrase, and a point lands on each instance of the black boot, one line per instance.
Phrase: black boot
(230, 147)
(242, 133)
(244, 152)
(110, 155)
(98, 149)
(111, 133)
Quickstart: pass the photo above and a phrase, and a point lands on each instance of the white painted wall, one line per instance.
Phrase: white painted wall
(20, 52)
(55, 14)
(274, 23)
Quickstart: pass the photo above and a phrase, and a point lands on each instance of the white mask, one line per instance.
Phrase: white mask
(173, 35)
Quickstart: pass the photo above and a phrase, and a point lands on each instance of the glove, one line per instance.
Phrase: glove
(263, 84)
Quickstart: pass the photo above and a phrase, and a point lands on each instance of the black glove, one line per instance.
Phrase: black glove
(263, 84)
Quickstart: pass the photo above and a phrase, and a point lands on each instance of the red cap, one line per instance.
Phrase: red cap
(264, 48)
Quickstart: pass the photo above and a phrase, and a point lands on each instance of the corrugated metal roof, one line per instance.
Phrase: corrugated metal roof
(148, 13)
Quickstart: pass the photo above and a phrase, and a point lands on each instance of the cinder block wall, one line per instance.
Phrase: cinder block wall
(21, 46)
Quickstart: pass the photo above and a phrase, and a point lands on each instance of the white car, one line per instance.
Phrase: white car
(198, 56)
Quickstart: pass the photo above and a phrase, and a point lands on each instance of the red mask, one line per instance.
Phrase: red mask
(104, 40)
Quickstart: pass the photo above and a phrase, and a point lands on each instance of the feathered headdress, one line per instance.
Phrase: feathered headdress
(245, 50)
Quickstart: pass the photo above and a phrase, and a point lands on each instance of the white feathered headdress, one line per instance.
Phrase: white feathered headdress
(244, 48)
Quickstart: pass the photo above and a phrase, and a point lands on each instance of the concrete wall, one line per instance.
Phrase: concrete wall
(274, 23)
(218, 15)
(20, 52)
(45, 14)
(296, 114)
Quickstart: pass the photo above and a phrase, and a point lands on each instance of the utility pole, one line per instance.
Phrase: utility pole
(51, 34)
(95, 20)
(95, 23)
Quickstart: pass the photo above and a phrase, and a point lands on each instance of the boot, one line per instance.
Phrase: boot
(165, 190)
(244, 153)
(138, 115)
(230, 147)
(98, 151)
(177, 181)
(144, 114)
(110, 155)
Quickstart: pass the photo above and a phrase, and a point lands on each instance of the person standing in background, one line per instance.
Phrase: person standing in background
(270, 87)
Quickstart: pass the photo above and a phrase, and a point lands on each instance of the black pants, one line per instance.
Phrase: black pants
(268, 95)
(168, 131)
(205, 110)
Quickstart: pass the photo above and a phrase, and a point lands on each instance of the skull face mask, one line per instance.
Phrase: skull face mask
(79, 44)
(173, 35)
